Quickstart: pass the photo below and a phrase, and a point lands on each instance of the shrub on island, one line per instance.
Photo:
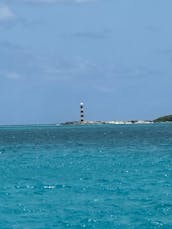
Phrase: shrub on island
(167, 118)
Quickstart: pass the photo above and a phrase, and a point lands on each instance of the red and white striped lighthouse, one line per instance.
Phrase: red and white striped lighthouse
(81, 113)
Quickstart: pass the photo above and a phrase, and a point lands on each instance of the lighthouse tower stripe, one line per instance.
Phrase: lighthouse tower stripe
(81, 112)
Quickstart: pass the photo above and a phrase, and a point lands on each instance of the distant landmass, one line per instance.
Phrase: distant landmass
(167, 118)
(107, 122)
(82, 121)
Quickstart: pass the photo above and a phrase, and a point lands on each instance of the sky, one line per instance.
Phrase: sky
(113, 55)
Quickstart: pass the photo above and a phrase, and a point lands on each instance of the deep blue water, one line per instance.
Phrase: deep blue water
(109, 176)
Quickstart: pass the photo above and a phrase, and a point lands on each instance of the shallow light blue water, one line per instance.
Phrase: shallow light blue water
(109, 176)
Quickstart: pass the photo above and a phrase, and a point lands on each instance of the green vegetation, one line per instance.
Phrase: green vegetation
(167, 118)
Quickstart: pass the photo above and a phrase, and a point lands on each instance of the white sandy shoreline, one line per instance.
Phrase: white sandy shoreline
(108, 122)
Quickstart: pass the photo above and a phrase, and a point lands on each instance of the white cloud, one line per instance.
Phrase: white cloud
(10, 75)
(5, 13)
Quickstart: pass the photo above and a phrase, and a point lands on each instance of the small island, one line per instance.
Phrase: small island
(167, 118)
(82, 121)
(115, 122)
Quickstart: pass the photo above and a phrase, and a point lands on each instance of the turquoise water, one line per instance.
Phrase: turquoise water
(86, 177)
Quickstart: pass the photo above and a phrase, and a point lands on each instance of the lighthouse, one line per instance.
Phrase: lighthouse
(81, 113)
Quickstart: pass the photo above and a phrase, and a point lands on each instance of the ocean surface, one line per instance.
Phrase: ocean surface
(102, 176)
